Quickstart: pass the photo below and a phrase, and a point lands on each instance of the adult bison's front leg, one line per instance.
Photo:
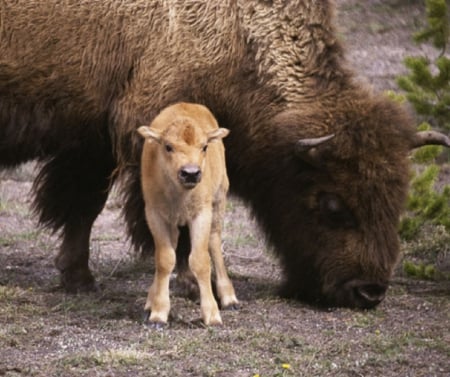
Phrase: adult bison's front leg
(71, 190)
(73, 257)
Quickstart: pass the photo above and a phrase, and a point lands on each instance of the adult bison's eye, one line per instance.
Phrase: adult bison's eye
(169, 148)
(334, 213)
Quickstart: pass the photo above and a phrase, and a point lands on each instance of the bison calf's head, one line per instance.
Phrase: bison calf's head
(182, 144)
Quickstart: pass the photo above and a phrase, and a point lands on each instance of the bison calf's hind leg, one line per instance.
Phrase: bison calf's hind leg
(225, 289)
(185, 280)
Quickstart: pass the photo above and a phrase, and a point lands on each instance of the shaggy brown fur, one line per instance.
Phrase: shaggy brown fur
(78, 77)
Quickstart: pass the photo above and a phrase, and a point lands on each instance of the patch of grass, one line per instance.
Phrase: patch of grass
(15, 330)
(240, 231)
(15, 208)
(2, 204)
(212, 352)
(17, 304)
(366, 319)
(91, 306)
(243, 240)
(105, 238)
(26, 236)
(24, 172)
(393, 347)
(377, 27)
(428, 256)
(9, 294)
(430, 242)
(111, 357)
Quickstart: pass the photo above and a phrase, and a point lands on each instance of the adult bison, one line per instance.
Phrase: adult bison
(322, 162)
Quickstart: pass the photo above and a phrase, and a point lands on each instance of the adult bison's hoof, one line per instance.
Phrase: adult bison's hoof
(77, 281)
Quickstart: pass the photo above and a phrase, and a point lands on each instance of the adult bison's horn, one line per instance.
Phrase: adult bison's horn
(307, 149)
(430, 137)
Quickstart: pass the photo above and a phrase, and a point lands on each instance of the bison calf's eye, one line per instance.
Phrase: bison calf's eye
(334, 213)
(204, 148)
(168, 148)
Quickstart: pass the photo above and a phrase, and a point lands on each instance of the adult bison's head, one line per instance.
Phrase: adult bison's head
(338, 187)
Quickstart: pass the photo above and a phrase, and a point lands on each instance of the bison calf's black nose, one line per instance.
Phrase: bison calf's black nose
(190, 175)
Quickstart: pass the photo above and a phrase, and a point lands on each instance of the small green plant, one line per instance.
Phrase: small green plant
(422, 271)
(427, 88)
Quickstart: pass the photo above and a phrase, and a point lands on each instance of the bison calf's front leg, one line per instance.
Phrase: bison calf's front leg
(200, 265)
(158, 300)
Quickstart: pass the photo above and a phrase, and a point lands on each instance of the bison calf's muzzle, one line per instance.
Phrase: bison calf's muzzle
(189, 175)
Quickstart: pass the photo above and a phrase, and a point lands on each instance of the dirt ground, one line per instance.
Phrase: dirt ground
(45, 332)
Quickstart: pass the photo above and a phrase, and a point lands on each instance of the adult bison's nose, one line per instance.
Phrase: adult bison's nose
(189, 175)
(369, 294)
(364, 294)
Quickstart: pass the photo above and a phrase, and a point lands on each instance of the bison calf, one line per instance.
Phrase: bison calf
(184, 183)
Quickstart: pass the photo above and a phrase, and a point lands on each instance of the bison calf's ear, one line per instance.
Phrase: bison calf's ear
(149, 133)
(218, 134)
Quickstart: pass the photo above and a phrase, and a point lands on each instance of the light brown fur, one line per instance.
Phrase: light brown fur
(186, 135)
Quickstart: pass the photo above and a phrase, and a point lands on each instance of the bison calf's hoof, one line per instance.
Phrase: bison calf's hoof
(213, 322)
(234, 306)
(154, 325)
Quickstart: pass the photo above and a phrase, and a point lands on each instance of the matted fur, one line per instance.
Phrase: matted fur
(78, 74)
